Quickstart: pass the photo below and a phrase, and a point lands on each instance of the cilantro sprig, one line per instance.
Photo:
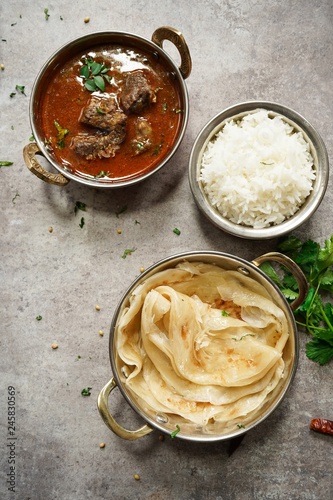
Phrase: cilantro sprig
(315, 315)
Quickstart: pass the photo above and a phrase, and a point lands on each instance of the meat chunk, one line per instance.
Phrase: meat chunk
(98, 145)
(103, 114)
(137, 94)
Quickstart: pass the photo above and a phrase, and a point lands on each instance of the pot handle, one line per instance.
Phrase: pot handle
(298, 274)
(102, 405)
(175, 36)
(29, 154)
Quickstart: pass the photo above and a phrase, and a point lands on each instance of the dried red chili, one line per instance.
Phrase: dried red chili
(322, 425)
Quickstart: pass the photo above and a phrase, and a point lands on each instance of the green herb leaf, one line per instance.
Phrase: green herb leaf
(122, 210)
(102, 174)
(224, 313)
(79, 205)
(315, 314)
(320, 351)
(86, 392)
(90, 85)
(61, 134)
(84, 72)
(39, 317)
(99, 82)
(128, 251)
(176, 231)
(174, 433)
(241, 426)
(243, 336)
(95, 68)
(21, 89)
(81, 222)
(268, 269)
(47, 15)
(6, 163)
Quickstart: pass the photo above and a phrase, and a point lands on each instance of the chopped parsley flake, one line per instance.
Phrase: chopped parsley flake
(128, 251)
(174, 433)
(14, 198)
(20, 89)
(86, 392)
(121, 210)
(243, 336)
(102, 174)
(79, 205)
(61, 134)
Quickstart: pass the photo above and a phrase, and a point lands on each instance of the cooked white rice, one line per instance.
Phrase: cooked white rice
(257, 171)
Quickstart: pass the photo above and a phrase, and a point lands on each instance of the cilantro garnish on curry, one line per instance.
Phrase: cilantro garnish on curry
(113, 112)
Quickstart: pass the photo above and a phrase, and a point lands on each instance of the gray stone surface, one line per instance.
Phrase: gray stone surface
(241, 50)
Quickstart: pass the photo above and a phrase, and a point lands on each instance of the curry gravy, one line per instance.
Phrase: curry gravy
(66, 96)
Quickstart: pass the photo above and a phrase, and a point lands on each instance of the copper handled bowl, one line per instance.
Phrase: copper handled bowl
(153, 50)
(168, 423)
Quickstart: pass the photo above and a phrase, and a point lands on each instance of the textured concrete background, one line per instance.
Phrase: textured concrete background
(241, 50)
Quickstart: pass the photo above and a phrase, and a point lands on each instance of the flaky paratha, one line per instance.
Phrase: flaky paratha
(203, 343)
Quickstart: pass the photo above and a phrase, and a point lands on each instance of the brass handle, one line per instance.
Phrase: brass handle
(175, 36)
(303, 285)
(102, 405)
(29, 154)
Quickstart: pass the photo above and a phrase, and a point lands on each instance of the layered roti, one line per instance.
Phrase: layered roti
(203, 343)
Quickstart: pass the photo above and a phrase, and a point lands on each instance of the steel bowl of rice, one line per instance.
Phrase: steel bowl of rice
(258, 170)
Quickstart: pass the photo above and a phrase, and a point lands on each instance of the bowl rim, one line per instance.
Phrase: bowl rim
(318, 151)
(72, 47)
